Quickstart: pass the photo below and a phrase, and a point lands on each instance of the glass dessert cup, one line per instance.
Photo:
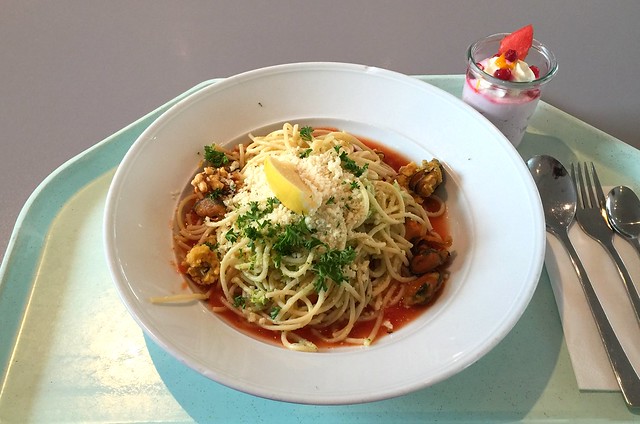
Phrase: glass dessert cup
(507, 104)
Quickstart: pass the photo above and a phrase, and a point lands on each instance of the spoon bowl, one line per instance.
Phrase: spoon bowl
(557, 192)
(623, 211)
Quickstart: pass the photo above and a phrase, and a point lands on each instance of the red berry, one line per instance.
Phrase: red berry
(536, 71)
(503, 74)
(511, 55)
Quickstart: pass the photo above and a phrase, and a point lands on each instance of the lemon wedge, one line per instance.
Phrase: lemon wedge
(286, 184)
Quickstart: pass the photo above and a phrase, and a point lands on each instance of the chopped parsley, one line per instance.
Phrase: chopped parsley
(252, 225)
(295, 237)
(231, 235)
(354, 185)
(305, 133)
(215, 157)
(274, 312)
(330, 201)
(349, 164)
(254, 214)
(215, 193)
(239, 301)
(305, 153)
(331, 264)
(272, 202)
(252, 233)
(211, 246)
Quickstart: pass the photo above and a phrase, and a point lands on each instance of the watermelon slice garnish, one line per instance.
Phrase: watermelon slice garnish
(519, 40)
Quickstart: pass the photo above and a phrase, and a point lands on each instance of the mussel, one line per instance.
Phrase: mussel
(427, 178)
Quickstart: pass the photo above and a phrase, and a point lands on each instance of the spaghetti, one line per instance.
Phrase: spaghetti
(363, 243)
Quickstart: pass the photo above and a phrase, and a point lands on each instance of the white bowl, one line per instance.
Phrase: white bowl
(496, 222)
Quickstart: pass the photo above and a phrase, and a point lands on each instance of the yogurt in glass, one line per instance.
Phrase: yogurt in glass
(507, 100)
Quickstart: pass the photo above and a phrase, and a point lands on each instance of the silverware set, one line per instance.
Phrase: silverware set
(592, 216)
(567, 197)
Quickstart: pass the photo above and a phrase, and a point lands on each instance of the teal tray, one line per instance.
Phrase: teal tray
(70, 352)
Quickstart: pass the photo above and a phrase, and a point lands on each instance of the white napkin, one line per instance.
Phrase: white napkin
(588, 357)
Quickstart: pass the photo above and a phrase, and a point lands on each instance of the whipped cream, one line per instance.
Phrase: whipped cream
(520, 70)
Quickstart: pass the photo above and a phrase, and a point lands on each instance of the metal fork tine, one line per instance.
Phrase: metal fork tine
(593, 202)
(575, 184)
(598, 188)
(583, 199)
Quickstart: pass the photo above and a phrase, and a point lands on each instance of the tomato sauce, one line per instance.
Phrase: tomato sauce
(397, 316)
(240, 322)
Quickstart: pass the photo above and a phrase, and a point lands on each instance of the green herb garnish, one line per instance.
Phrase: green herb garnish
(215, 157)
(215, 193)
(349, 164)
(239, 301)
(305, 153)
(331, 264)
(274, 312)
(231, 235)
(272, 202)
(252, 233)
(305, 133)
(252, 215)
(295, 237)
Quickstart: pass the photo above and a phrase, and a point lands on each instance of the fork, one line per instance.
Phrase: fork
(592, 217)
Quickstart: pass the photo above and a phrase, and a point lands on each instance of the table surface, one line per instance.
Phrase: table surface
(74, 72)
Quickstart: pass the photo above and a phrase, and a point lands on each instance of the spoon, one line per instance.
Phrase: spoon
(623, 210)
(559, 200)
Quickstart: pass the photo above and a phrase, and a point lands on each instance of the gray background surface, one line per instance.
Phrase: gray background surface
(74, 72)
